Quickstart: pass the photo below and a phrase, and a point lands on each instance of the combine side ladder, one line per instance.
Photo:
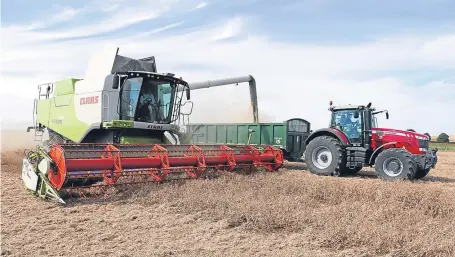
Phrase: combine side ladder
(39, 129)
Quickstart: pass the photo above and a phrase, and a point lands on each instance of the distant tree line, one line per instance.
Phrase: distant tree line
(443, 138)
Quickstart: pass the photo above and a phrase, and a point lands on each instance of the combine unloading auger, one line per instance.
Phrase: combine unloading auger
(117, 126)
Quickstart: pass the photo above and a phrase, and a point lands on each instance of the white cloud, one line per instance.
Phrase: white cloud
(201, 5)
(160, 29)
(232, 28)
(116, 19)
(293, 80)
(65, 14)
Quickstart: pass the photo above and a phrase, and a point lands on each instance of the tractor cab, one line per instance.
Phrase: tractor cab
(356, 122)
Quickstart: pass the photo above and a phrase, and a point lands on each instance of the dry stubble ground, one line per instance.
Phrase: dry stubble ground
(289, 213)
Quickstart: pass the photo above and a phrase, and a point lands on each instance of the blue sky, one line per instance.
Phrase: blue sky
(290, 20)
(402, 50)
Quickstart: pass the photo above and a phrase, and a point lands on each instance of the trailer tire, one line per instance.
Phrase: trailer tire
(395, 164)
(421, 173)
(324, 156)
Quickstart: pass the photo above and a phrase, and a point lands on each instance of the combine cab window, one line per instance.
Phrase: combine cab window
(129, 97)
(147, 100)
(164, 95)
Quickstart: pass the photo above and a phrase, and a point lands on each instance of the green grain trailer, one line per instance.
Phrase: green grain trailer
(289, 135)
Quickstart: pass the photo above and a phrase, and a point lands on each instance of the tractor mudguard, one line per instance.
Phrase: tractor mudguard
(328, 132)
(377, 150)
(410, 148)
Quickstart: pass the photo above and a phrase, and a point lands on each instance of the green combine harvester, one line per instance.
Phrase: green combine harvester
(120, 125)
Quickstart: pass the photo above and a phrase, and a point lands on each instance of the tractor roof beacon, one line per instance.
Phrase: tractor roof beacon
(353, 140)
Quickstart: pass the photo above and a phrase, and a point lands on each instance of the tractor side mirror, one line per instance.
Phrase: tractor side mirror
(188, 94)
(356, 115)
(387, 115)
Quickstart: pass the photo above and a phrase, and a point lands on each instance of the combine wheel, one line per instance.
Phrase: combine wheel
(395, 164)
(324, 156)
(421, 173)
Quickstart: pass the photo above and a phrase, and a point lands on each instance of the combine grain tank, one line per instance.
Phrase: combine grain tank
(288, 135)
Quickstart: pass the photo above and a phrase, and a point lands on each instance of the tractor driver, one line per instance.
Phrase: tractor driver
(350, 125)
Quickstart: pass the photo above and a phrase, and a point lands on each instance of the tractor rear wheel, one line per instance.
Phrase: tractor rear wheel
(324, 156)
(395, 164)
(421, 173)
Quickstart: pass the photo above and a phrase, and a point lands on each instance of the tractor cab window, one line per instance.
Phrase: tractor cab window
(374, 122)
(346, 121)
(147, 100)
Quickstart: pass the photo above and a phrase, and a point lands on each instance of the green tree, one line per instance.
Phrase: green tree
(443, 138)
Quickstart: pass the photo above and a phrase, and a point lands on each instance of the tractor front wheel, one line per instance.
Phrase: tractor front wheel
(324, 156)
(395, 164)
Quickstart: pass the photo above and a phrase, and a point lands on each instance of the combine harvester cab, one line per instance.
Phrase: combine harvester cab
(117, 126)
(353, 141)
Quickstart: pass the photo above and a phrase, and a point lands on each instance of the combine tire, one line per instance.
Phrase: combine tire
(395, 164)
(324, 156)
(421, 173)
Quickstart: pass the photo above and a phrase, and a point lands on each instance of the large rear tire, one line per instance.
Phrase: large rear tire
(324, 156)
(421, 173)
(395, 164)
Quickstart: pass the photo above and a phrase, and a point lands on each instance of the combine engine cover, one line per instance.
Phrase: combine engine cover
(116, 127)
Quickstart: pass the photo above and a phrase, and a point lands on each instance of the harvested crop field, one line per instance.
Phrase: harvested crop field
(288, 213)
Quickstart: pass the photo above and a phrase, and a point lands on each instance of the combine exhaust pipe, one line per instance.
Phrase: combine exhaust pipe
(229, 81)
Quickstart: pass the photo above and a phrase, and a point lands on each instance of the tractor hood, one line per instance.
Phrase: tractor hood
(397, 132)
(416, 141)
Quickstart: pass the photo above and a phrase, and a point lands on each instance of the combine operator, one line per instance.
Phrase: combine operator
(149, 106)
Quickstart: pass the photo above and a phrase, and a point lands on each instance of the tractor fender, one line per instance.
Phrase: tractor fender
(378, 150)
(328, 132)
(404, 145)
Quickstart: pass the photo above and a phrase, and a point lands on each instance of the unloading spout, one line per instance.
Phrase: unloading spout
(229, 81)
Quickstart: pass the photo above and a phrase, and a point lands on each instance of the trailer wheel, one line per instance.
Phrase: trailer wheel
(395, 164)
(324, 156)
(421, 173)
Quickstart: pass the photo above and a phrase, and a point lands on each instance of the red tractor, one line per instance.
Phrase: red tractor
(354, 141)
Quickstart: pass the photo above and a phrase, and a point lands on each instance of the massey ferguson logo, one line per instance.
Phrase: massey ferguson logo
(89, 100)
